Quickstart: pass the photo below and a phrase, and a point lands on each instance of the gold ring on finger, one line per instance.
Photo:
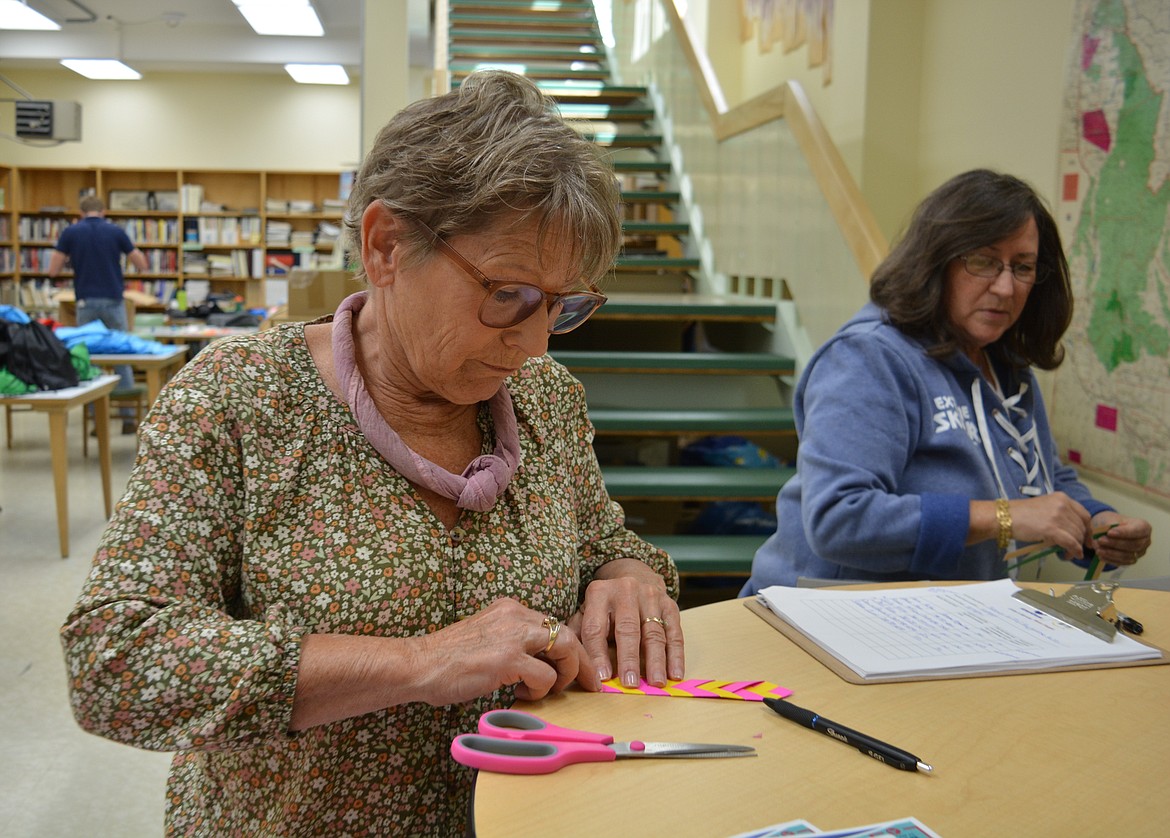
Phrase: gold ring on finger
(658, 620)
(554, 628)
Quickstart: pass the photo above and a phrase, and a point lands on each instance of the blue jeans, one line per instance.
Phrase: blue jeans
(112, 312)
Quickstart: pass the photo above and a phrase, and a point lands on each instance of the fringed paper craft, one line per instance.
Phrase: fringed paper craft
(702, 688)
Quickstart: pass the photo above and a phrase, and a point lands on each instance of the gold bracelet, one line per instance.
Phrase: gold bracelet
(1003, 517)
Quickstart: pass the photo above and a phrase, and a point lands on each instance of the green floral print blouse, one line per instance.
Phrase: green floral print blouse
(257, 513)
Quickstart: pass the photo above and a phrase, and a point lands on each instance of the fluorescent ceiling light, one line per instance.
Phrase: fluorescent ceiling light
(317, 73)
(16, 15)
(281, 17)
(101, 68)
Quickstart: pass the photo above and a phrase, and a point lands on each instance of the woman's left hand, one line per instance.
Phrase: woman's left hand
(1125, 543)
(628, 601)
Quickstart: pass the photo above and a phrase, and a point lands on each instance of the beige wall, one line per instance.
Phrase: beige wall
(992, 87)
(921, 89)
(196, 121)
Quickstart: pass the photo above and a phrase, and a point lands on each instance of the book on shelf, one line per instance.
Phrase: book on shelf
(279, 264)
(277, 233)
(302, 240)
(191, 197)
(953, 631)
(328, 232)
(195, 262)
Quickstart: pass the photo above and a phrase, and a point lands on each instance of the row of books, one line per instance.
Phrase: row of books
(282, 234)
(40, 228)
(231, 230)
(36, 295)
(278, 206)
(161, 289)
(160, 262)
(190, 197)
(242, 264)
(35, 259)
(151, 230)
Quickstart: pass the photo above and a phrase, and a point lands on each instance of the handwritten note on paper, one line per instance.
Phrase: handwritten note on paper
(966, 628)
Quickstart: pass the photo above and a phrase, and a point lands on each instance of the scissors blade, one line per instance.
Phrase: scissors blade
(656, 750)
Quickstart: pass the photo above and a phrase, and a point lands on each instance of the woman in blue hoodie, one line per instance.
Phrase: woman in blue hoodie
(925, 449)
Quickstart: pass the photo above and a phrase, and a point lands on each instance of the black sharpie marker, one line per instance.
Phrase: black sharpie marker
(866, 744)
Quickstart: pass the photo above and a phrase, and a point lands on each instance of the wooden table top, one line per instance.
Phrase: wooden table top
(1062, 753)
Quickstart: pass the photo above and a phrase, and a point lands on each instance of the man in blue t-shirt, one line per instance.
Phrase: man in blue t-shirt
(94, 247)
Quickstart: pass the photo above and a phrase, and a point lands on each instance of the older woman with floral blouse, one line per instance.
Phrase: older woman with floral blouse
(345, 540)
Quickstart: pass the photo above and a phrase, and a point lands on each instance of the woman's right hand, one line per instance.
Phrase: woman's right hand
(504, 644)
(1054, 519)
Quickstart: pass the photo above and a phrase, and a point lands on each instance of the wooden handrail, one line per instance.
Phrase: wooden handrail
(789, 101)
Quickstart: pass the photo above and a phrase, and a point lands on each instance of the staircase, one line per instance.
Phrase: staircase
(662, 364)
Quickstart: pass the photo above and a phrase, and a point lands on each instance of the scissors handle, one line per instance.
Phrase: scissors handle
(516, 724)
(521, 756)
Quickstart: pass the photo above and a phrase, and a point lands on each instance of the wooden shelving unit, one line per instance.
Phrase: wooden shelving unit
(231, 228)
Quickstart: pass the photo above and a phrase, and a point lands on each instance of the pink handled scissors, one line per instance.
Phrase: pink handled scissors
(515, 742)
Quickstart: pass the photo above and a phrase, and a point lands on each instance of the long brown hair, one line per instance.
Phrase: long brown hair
(972, 210)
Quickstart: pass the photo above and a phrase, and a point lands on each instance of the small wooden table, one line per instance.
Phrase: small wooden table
(58, 403)
(193, 333)
(157, 368)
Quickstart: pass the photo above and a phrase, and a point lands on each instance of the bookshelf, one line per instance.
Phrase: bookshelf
(232, 229)
(7, 227)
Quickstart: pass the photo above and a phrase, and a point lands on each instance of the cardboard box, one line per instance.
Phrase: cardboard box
(313, 293)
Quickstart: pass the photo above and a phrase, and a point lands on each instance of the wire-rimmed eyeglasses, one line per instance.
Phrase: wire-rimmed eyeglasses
(988, 267)
(509, 303)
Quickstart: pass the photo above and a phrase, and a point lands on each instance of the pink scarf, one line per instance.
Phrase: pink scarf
(485, 478)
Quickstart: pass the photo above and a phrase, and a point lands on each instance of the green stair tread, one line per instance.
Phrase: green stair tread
(518, 22)
(650, 196)
(521, 36)
(500, 53)
(606, 113)
(641, 166)
(655, 228)
(695, 482)
(459, 69)
(591, 94)
(522, 5)
(687, 307)
(756, 363)
(726, 420)
(731, 554)
(666, 263)
(610, 139)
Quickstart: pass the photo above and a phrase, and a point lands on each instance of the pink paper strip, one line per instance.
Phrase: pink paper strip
(702, 688)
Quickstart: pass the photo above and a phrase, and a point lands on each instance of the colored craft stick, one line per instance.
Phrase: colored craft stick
(702, 688)
(1039, 551)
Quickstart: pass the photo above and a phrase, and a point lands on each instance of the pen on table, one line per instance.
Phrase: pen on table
(869, 746)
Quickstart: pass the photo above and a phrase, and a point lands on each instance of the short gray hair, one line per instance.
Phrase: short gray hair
(495, 147)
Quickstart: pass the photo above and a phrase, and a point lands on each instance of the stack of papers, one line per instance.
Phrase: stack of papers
(902, 633)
